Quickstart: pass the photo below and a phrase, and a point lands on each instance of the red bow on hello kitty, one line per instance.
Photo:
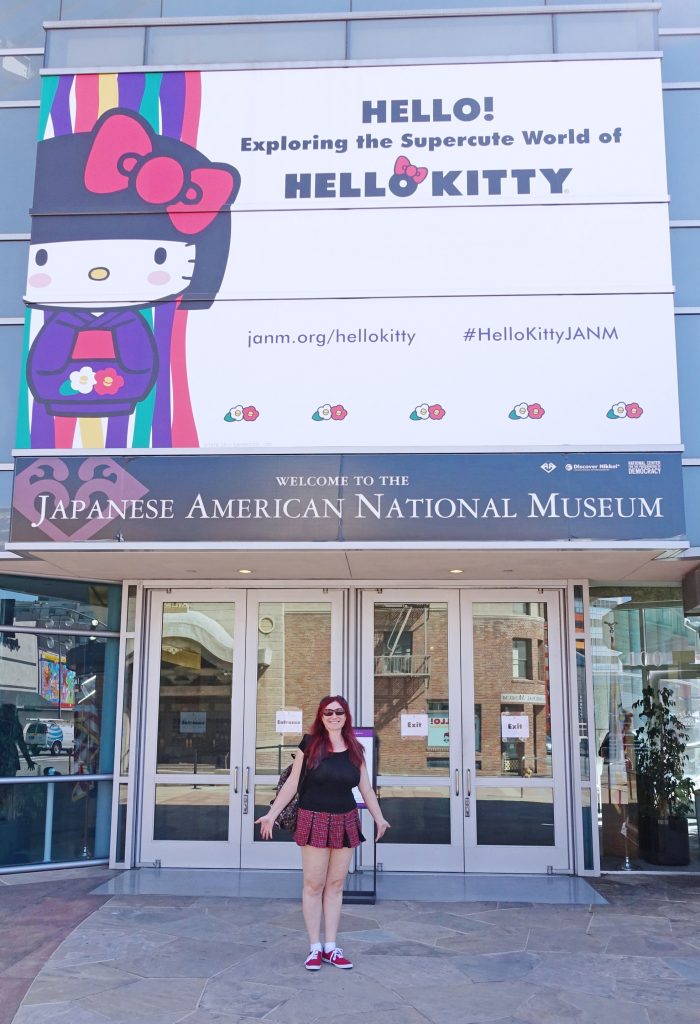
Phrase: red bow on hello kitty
(402, 166)
(122, 154)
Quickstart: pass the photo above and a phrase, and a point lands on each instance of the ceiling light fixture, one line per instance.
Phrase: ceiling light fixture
(245, 572)
(456, 572)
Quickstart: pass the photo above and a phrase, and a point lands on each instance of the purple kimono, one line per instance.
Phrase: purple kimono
(82, 364)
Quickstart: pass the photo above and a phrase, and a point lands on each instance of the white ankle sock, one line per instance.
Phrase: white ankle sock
(328, 947)
(314, 946)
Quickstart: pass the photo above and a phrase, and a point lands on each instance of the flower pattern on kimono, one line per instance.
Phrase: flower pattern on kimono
(83, 380)
(108, 381)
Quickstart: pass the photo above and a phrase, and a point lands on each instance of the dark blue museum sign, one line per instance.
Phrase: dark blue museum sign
(348, 498)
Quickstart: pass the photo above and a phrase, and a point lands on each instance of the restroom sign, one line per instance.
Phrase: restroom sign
(515, 727)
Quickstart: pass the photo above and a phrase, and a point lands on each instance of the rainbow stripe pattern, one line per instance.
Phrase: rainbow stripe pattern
(171, 103)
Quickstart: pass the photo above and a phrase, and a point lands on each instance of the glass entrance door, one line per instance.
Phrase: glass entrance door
(194, 729)
(466, 693)
(464, 689)
(295, 658)
(514, 754)
(234, 679)
(411, 694)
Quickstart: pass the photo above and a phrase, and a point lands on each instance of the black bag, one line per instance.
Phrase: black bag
(287, 818)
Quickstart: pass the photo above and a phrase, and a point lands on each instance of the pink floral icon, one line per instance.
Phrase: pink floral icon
(625, 410)
(241, 414)
(108, 381)
(436, 412)
(526, 411)
(338, 412)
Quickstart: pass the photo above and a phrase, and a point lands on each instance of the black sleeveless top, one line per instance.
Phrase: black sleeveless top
(329, 786)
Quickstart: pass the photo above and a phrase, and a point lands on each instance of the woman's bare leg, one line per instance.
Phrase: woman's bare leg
(338, 865)
(315, 864)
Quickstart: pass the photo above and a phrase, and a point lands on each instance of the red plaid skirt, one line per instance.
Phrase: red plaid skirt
(321, 829)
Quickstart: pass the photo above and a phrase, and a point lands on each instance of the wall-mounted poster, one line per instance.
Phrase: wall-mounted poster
(439, 731)
(213, 269)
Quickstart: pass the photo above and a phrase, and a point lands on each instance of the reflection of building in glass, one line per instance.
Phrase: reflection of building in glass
(294, 673)
(410, 677)
(195, 687)
(511, 683)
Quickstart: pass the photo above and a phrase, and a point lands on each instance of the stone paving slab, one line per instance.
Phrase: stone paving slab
(37, 911)
(164, 959)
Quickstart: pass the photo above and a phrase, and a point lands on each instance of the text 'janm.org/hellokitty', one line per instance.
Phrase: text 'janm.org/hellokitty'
(320, 339)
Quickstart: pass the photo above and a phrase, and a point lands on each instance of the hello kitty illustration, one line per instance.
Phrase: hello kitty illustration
(123, 219)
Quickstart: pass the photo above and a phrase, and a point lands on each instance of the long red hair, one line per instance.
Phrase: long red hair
(320, 744)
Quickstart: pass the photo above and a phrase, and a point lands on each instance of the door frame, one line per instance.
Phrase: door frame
(354, 630)
(240, 850)
(519, 859)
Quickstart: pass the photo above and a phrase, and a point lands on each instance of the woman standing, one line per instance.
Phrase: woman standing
(328, 822)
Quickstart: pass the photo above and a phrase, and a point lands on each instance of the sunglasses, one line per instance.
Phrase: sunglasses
(333, 711)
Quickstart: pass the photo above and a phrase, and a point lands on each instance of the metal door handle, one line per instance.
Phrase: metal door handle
(235, 779)
(247, 781)
(469, 782)
(456, 781)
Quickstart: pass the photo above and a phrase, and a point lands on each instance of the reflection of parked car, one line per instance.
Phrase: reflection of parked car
(52, 735)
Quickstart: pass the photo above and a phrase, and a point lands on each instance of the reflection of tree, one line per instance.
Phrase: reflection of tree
(640, 640)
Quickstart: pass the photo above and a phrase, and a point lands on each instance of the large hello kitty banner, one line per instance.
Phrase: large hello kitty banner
(418, 258)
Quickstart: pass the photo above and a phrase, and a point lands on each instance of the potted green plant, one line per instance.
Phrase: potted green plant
(664, 792)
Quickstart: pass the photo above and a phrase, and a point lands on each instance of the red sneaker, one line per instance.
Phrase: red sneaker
(336, 958)
(313, 960)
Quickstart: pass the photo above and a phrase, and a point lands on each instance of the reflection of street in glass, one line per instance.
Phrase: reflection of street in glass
(47, 764)
(192, 795)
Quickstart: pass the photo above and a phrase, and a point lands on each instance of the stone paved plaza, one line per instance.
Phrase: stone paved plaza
(203, 960)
